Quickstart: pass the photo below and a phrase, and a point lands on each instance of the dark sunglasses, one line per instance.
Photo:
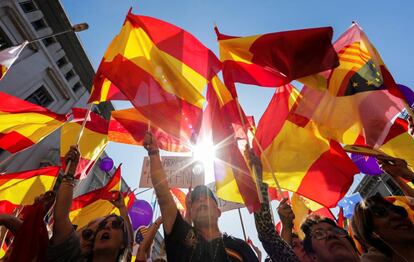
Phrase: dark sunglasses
(87, 234)
(115, 224)
(320, 234)
(379, 211)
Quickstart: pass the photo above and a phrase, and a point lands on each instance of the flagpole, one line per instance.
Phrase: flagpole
(242, 224)
(267, 163)
(74, 28)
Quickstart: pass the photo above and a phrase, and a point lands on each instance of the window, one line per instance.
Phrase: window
(76, 87)
(48, 41)
(395, 189)
(28, 6)
(4, 40)
(69, 75)
(61, 62)
(40, 97)
(39, 24)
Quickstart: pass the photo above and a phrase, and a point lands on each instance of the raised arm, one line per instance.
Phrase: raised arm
(62, 227)
(160, 184)
(286, 217)
(145, 245)
(123, 211)
(398, 169)
(11, 222)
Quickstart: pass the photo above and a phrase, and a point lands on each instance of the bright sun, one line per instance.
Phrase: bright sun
(204, 152)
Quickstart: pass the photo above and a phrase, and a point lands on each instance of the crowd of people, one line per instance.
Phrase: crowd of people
(378, 231)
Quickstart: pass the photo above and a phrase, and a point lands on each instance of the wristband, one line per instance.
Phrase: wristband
(153, 152)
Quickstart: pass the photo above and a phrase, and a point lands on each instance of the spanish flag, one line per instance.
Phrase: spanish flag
(304, 161)
(179, 198)
(95, 204)
(23, 187)
(359, 97)
(162, 70)
(23, 124)
(104, 90)
(8, 56)
(92, 143)
(129, 126)
(276, 59)
(234, 181)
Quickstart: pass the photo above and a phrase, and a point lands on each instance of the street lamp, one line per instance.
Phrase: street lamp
(75, 28)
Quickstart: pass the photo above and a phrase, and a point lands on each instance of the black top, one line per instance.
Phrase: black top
(184, 244)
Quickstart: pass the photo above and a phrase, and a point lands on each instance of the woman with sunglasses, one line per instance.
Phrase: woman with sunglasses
(111, 240)
(378, 224)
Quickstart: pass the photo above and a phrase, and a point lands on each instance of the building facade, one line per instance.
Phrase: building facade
(383, 185)
(55, 73)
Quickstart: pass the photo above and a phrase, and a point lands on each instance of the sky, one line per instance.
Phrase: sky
(388, 24)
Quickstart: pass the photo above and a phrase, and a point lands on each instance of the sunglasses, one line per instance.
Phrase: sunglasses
(382, 212)
(320, 234)
(87, 234)
(115, 224)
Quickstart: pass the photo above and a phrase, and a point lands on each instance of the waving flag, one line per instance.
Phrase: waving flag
(129, 126)
(23, 187)
(179, 198)
(234, 181)
(276, 59)
(8, 56)
(95, 204)
(287, 138)
(23, 124)
(359, 97)
(162, 70)
(92, 143)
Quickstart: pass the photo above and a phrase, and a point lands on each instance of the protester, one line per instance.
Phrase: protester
(277, 249)
(110, 241)
(379, 224)
(202, 242)
(326, 242)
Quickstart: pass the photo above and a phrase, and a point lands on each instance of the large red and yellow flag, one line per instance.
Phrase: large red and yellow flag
(234, 181)
(304, 161)
(359, 97)
(276, 59)
(95, 204)
(92, 143)
(162, 70)
(23, 124)
(128, 126)
(8, 56)
(22, 188)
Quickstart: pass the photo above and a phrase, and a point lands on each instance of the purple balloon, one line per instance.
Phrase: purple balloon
(140, 213)
(367, 165)
(106, 164)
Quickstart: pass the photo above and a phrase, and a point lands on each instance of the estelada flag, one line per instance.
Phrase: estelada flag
(234, 179)
(276, 59)
(162, 70)
(23, 124)
(20, 189)
(129, 126)
(95, 204)
(359, 97)
(286, 138)
(92, 143)
(8, 56)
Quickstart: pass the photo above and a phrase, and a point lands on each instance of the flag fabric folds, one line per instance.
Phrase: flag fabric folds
(23, 124)
(179, 198)
(360, 88)
(8, 56)
(162, 70)
(95, 204)
(92, 143)
(129, 126)
(234, 181)
(276, 59)
(23, 187)
(300, 156)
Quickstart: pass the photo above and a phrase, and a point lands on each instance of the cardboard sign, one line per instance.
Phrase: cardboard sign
(224, 205)
(181, 171)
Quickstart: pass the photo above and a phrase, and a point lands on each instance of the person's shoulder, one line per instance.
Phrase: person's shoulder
(232, 239)
(240, 246)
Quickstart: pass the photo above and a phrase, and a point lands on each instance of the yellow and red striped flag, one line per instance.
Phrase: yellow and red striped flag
(23, 187)
(23, 124)
(129, 126)
(95, 204)
(162, 70)
(287, 138)
(92, 143)
(234, 181)
(276, 59)
(8, 56)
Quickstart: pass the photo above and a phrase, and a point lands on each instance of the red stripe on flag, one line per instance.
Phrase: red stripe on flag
(14, 142)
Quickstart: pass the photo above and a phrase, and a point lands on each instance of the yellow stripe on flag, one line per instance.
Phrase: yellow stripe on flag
(237, 49)
(223, 94)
